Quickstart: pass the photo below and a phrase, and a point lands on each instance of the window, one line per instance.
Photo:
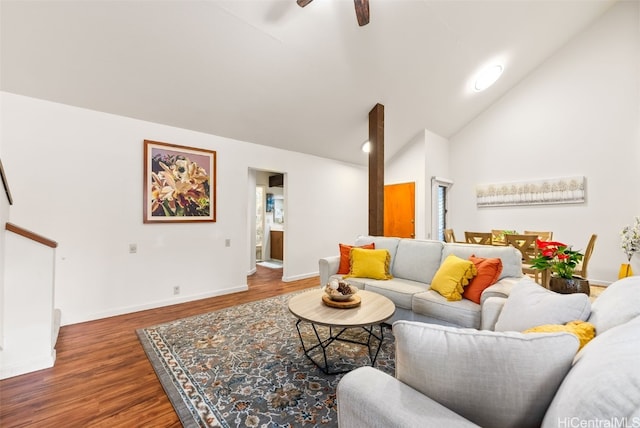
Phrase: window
(440, 206)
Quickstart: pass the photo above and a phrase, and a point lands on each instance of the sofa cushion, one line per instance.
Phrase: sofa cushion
(489, 270)
(604, 382)
(345, 260)
(400, 291)
(494, 379)
(617, 304)
(417, 260)
(530, 305)
(369, 263)
(463, 313)
(511, 258)
(452, 275)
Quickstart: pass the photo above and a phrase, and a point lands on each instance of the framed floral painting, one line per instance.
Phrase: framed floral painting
(179, 183)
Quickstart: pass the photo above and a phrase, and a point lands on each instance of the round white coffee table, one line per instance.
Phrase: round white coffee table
(372, 312)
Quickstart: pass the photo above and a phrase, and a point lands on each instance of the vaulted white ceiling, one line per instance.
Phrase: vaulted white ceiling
(272, 73)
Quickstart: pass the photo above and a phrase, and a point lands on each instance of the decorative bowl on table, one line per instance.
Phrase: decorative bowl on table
(340, 290)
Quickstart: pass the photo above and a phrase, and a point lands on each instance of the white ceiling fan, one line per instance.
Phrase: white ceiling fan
(362, 9)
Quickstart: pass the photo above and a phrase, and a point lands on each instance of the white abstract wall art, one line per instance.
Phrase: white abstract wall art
(566, 190)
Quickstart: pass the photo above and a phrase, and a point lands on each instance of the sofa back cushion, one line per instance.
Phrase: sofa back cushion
(417, 260)
(603, 384)
(380, 242)
(530, 305)
(617, 304)
(511, 258)
(493, 379)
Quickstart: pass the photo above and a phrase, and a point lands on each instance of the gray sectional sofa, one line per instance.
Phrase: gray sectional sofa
(414, 264)
(459, 377)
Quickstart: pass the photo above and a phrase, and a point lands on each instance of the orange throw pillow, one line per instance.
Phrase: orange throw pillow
(489, 271)
(345, 265)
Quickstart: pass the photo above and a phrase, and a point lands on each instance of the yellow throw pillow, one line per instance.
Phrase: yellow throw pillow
(585, 331)
(367, 263)
(452, 275)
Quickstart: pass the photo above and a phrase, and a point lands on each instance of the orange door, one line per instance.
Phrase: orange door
(399, 210)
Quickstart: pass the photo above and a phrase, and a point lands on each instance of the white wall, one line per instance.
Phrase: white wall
(4, 217)
(437, 165)
(425, 156)
(577, 114)
(407, 166)
(77, 178)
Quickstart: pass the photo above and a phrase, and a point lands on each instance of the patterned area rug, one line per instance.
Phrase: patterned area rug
(244, 366)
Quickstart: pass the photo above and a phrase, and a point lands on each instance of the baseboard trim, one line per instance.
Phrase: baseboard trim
(157, 304)
(301, 276)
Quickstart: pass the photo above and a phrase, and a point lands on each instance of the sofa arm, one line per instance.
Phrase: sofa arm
(501, 288)
(491, 309)
(328, 266)
(370, 398)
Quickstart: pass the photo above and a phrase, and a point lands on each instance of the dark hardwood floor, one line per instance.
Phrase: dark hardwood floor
(102, 377)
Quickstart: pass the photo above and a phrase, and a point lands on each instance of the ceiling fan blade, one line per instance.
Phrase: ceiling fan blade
(362, 11)
(303, 3)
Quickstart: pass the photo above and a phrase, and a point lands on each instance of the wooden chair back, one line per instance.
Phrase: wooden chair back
(542, 235)
(449, 236)
(581, 269)
(526, 244)
(497, 237)
(483, 238)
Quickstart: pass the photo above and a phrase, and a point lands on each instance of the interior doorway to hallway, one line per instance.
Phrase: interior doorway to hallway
(267, 219)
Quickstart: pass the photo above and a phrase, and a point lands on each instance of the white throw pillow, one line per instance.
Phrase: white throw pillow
(494, 379)
(530, 305)
(617, 304)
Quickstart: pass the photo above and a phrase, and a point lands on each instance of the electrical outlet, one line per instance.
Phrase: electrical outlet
(176, 290)
(133, 248)
(227, 242)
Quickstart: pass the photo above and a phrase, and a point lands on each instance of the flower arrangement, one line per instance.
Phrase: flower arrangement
(179, 187)
(631, 238)
(559, 258)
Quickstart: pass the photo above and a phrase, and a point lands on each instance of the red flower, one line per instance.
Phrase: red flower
(546, 244)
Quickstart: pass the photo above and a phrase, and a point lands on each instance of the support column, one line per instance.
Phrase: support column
(376, 171)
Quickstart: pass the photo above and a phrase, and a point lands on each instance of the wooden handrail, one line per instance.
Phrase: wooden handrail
(30, 235)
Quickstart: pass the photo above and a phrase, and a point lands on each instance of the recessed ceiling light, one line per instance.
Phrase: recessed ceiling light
(366, 147)
(487, 77)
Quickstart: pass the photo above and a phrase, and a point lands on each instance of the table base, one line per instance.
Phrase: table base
(325, 343)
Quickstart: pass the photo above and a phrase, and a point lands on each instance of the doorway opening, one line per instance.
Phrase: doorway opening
(268, 228)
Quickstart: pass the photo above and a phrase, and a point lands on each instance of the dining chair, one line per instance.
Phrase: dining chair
(581, 269)
(483, 238)
(449, 236)
(526, 244)
(543, 236)
(497, 237)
